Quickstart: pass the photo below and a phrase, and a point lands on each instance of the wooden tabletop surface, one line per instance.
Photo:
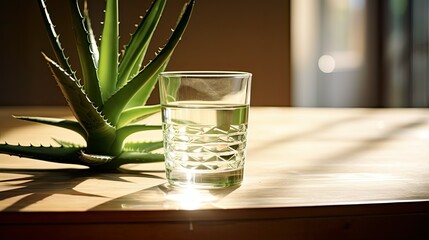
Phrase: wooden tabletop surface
(314, 159)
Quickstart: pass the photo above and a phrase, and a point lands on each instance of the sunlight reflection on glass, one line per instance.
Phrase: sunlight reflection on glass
(190, 198)
(165, 196)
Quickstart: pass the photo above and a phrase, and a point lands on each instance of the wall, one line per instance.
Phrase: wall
(223, 35)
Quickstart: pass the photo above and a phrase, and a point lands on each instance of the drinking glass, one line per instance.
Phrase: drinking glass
(205, 120)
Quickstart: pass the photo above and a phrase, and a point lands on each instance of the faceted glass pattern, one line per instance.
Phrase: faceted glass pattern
(202, 147)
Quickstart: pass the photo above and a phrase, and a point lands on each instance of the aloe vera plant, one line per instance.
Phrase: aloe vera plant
(110, 103)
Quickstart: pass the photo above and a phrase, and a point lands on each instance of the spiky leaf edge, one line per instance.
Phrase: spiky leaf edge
(73, 155)
(57, 122)
(108, 63)
(54, 39)
(136, 114)
(124, 132)
(85, 46)
(136, 49)
(143, 146)
(101, 134)
(147, 77)
(50, 154)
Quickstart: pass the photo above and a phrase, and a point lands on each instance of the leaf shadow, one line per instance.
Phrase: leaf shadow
(35, 185)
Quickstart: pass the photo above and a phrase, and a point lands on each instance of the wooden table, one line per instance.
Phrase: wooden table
(310, 174)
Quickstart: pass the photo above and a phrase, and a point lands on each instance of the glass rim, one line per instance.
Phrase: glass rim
(206, 74)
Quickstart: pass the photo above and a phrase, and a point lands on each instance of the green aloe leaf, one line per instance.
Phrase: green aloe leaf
(94, 159)
(58, 122)
(54, 39)
(138, 157)
(135, 51)
(67, 144)
(126, 131)
(116, 104)
(50, 154)
(138, 66)
(137, 114)
(108, 64)
(93, 42)
(99, 131)
(84, 44)
(142, 95)
(143, 146)
(113, 95)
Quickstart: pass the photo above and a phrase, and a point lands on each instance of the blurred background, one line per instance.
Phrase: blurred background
(359, 53)
(307, 53)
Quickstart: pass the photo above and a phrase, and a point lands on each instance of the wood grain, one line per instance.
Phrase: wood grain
(346, 173)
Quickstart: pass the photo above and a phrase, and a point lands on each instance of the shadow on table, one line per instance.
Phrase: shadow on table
(22, 188)
(30, 186)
